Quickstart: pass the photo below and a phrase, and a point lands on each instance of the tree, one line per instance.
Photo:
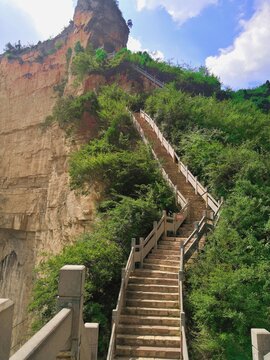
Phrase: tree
(129, 23)
(9, 47)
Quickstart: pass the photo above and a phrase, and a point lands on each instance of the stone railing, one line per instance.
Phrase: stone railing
(187, 249)
(138, 252)
(148, 76)
(193, 180)
(180, 199)
(65, 334)
(260, 344)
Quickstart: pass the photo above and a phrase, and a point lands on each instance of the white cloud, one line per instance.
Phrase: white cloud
(135, 45)
(180, 10)
(49, 17)
(247, 61)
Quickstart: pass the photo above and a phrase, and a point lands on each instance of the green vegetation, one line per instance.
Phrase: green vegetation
(260, 96)
(68, 110)
(224, 137)
(58, 44)
(68, 55)
(133, 196)
(227, 145)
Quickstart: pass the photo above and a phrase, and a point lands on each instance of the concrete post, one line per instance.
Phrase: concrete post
(260, 343)
(6, 321)
(141, 251)
(70, 290)
(196, 185)
(165, 222)
(183, 319)
(155, 230)
(176, 195)
(91, 333)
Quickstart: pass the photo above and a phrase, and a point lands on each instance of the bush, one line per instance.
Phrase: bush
(69, 110)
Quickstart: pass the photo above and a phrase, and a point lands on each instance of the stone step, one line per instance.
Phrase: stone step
(152, 281)
(167, 252)
(146, 311)
(153, 260)
(148, 351)
(150, 320)
(153, 288)
(139, 358)
(175, 247)
(157, 330)
(145, 303)
(154, 274)
(130, 295)
(148, 340)
(160, 267)
(157, 255)
(172, 239)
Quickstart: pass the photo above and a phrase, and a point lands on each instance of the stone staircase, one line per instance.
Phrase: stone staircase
(149, 326)
(197, 205)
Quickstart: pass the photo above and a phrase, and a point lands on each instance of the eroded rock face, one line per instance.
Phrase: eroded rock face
(38, 211)
(104, 21)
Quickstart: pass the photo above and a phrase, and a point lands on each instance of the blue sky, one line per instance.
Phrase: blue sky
(230, 37)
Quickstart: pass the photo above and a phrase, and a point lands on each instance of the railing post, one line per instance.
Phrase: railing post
(155, 230)
(196, 185)
(141, 251)
(165, 222)
(206, 198)
(70, 290)
(6, 321)
(115, 316)
(186, 173)
(175, 190)
(90, 341)
(260, 343)
(183, 319)
(92, 334)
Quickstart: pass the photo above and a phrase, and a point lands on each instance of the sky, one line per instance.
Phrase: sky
(230, 37)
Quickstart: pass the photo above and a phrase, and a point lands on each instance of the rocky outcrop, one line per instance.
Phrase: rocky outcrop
(38, 211)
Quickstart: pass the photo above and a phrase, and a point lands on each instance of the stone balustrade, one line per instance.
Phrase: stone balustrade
(260, 344)
(65, 334)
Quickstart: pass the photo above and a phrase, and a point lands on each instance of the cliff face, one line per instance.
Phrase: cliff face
(38, 211)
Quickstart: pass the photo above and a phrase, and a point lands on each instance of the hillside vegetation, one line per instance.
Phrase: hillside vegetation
(224, 138)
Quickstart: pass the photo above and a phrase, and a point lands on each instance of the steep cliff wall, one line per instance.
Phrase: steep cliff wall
(38, 211)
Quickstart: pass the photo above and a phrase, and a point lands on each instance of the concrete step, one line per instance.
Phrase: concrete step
(166, 252)
(154, 273)
(148, 340)
(168, 246)
(145, 303)
(150, 320)
(161, 267)
(173, 239)
(130, 295)
(149, 311)
(157, 255)
(139, 358)
(153, 260)
(157, 330)
(153, 288)
(152, 281)
(148, 351)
